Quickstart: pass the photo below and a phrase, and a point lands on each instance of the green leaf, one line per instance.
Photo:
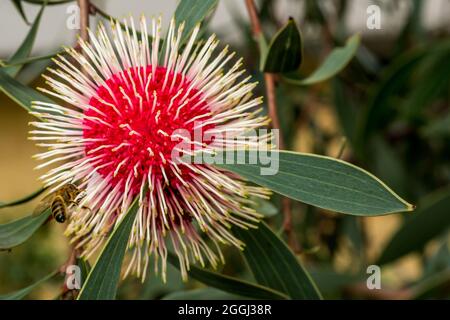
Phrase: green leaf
(346, 112)
(440, 259)
(426, 288)
(20, 93)
(263, 48)
(103, 280)
(333, 64)
(352, 229)
(394, 78)
(19, 7)
(155, 287)
(332, 283)
(228, 284)
(28, 60)
(274, 265)
(264, 207)
(20, 294)
(387, 164)
(437, 127)
(192, 12)
(26, 46)
(430, 220)
(49, 2)
(285, 50)
(436, 70)
(413, 29)
(409, 69)
(322, 182)
(22, 200)
(85, 268)
(17, 232)
(201, 294)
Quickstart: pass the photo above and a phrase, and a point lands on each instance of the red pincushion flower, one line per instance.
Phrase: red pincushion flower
(137, 136)
(128, 104)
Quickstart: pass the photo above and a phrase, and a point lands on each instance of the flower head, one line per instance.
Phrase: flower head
(126, 98)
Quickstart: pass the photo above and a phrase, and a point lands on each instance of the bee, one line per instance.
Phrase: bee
(59, 201)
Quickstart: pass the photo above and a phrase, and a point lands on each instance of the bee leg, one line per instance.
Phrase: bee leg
(80, 197)
(86, 208)
(76, 203)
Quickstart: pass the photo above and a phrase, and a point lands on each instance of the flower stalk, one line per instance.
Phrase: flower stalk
(270, 82)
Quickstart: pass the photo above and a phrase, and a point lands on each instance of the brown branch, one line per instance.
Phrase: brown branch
(269, 79)
(66, 293)
(254, 20)
(84, 18)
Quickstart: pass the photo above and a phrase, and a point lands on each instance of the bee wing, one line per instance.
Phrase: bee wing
(43, 205)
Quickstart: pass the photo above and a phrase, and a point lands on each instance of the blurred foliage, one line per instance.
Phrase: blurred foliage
(391, 104)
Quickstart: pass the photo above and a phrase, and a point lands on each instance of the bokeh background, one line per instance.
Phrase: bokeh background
(391, 105)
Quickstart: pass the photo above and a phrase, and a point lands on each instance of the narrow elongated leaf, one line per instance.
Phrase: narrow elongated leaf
(332, 283)
(229, 284)
(285, 50)
(19, 7)
(25, 199)
(22, 293)
(433, 283)
(85, 268)
(320, 181)
(17, 232)
(383, 105)
(436, 70)
(439, 260)
(264, 207)
(154, 287)
(437, 127)
(274, 265)
(49, 2)
(431, 220)
(395, 77)
(20, 93)
(333, 64)
(26, 46)
(263, 48)
(28, 60)
(387, 164)
(192, 12)
(346, 112)
(103, 280)
(201, 294)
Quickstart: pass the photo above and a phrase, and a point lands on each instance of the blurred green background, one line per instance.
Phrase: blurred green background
(390, 105)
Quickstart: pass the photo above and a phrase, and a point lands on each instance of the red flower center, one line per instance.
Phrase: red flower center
(129, 125)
